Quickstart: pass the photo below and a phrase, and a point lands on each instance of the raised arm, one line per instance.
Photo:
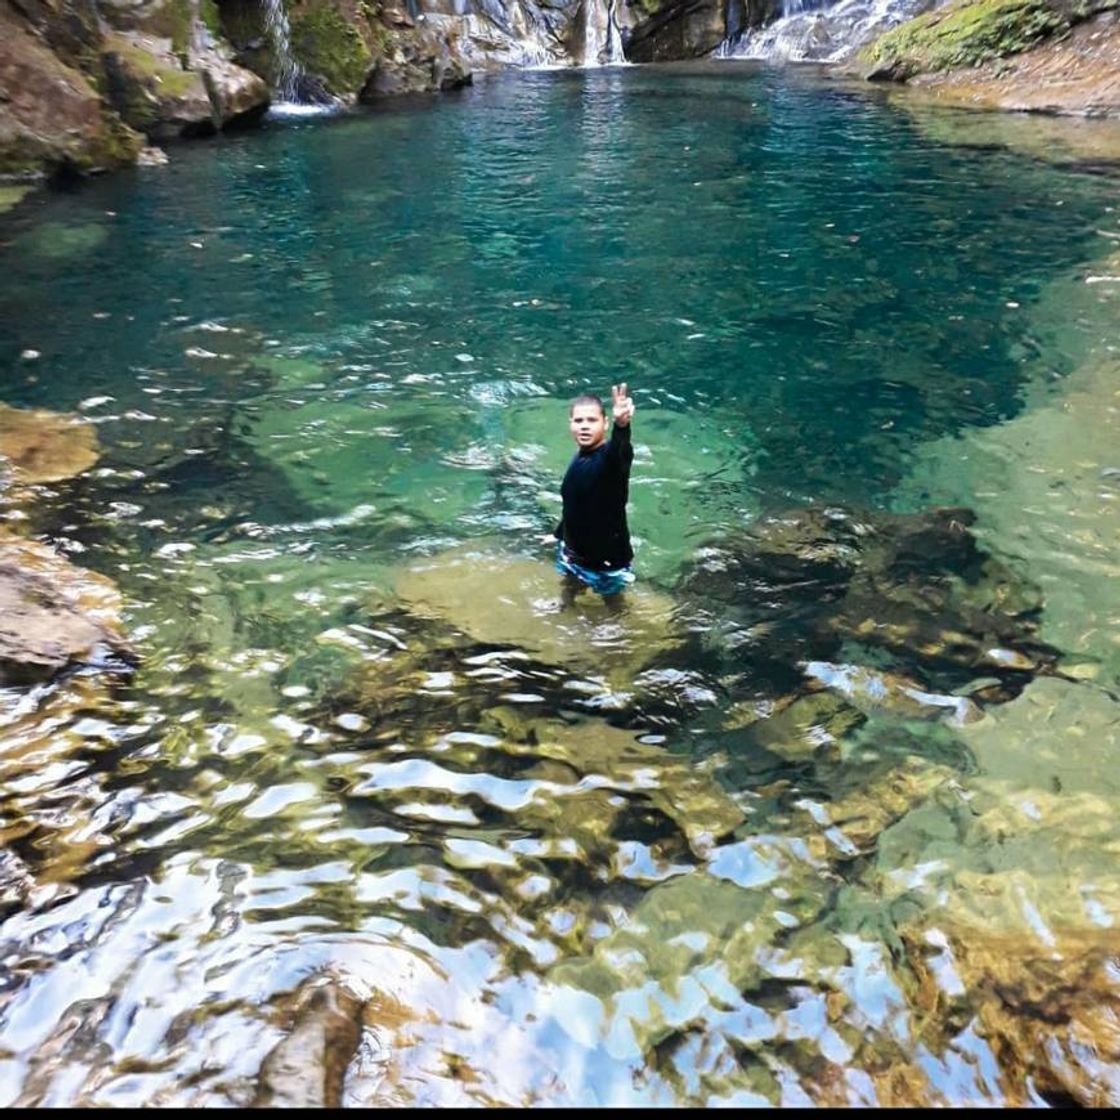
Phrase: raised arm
(621, 449)
(622, 405)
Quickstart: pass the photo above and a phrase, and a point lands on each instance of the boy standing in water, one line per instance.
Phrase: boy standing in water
(594, 549)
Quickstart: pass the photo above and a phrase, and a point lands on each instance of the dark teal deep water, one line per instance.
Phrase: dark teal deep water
(326, 350)
(788, 252)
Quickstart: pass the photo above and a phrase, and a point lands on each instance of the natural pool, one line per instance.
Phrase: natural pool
(828, 815)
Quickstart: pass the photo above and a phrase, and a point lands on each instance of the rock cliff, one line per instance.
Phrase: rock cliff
(86, 84)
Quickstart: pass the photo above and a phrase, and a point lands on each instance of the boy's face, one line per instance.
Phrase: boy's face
(588, 425)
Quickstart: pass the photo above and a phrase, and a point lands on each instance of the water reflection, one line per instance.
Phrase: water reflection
(797, 827)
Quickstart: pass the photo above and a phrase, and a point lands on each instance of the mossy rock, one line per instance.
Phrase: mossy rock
(210, 14)
(328, 45)
(116, 145)
(143, 86)
(169, 19)
(109, 145)
(58, 123)
(11, 195)
(966, 33)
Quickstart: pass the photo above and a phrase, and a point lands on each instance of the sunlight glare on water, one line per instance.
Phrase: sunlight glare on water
(823, 815)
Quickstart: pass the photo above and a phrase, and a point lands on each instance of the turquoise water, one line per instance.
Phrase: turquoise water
(328, 365)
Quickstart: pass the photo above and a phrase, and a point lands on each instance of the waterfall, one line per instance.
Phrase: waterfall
(821, 30)
(614, 34)
(602, 40)
(288, 71)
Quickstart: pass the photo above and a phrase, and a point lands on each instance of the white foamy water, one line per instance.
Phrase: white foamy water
(816, 33)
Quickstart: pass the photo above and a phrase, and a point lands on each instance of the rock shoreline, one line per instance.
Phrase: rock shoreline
(54, 616)
(993, 56)
(91, 85)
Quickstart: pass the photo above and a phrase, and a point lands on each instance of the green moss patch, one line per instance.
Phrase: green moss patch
(210, 15)
(965, 33)
(115, 145)
(12, 195)
(327, 45)
(173, 81)
(137, 82)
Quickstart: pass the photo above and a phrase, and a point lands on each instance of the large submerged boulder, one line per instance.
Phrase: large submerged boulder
(511, 601)
(809, 594)
(53, 615)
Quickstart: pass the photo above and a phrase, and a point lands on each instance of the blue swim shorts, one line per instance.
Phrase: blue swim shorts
(605, 583)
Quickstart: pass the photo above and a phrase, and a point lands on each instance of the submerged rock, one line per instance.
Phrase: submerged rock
(673, 784)
(307, 1068)
(53, 615)
(43, 446)
(17, 883)
(869, 689)
(1052, 459)
(511, 601)
(864, 814)
(799, 729)
(695, 954)
(828, 585)
(1047, 1008)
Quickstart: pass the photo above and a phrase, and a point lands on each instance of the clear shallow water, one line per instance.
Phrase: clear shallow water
(646, 858)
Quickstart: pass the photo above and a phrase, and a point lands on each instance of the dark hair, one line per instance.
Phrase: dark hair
(586, 398)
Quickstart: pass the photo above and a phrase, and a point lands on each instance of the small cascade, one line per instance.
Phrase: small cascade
(614, 33)
(821, 30)
(601, 40)
(288, 71)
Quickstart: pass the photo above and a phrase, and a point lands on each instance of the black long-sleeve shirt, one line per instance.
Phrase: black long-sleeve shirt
(595, 490)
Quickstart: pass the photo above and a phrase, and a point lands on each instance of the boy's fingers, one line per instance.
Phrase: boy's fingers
(623, 394)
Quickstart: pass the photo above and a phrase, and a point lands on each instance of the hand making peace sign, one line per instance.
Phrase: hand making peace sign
(623, 405)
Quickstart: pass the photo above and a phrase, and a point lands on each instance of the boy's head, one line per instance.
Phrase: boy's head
(587, 421)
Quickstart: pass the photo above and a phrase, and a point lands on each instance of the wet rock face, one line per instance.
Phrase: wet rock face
(422, 60)
(84, 84)
(666, 30)
(679, 29)
(51, 117)
(147, 84)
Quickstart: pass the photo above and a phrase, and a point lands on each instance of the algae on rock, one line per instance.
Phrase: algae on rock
(969, 33)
